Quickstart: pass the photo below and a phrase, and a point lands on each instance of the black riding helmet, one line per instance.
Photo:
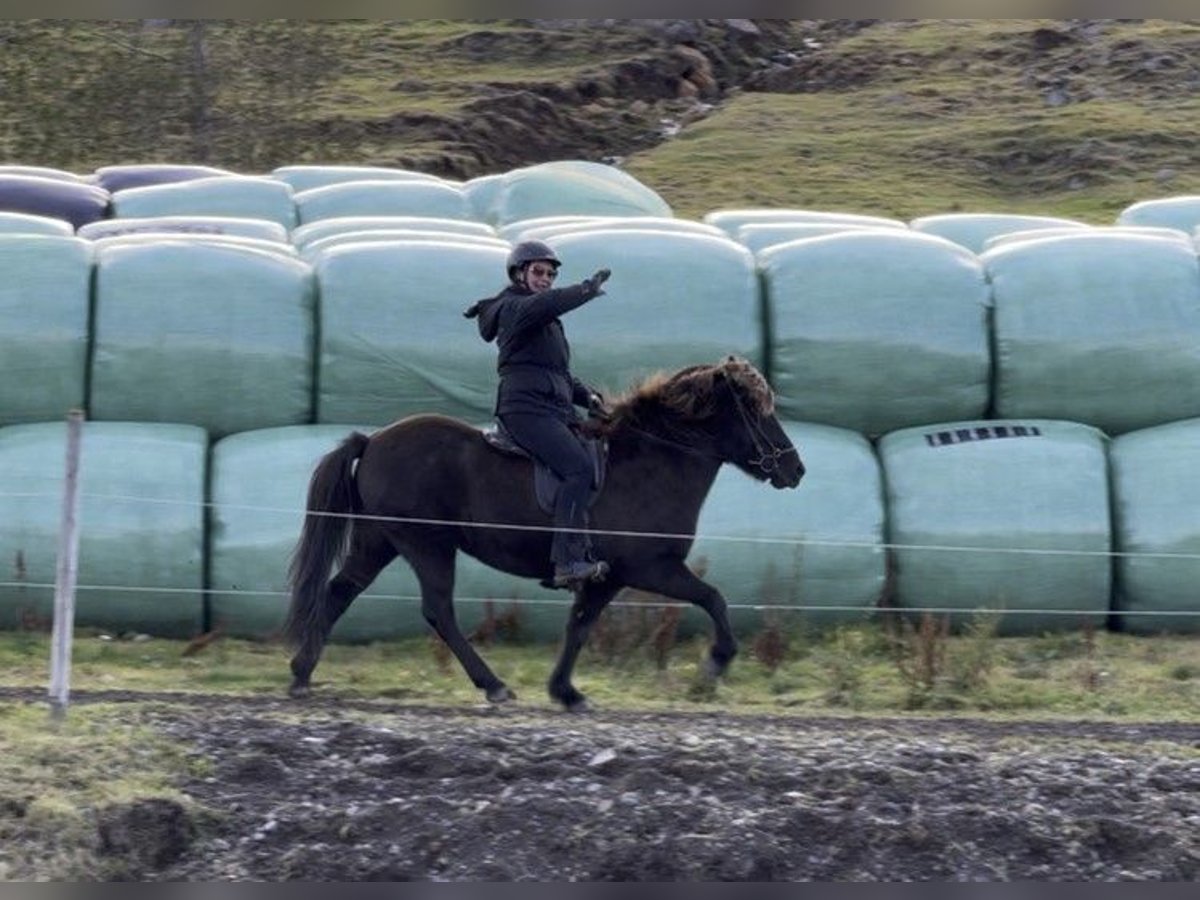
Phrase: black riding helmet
(529, 251)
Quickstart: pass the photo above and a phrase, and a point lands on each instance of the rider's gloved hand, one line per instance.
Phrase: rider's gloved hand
(594, 285)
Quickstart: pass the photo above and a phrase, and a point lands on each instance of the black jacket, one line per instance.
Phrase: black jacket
(534, 359)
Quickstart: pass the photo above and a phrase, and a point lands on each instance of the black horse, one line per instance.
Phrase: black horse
(428, 486)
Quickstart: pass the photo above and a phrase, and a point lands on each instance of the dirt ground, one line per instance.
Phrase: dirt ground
(327, 789)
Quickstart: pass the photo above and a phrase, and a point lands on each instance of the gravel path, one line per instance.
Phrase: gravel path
(358, 791)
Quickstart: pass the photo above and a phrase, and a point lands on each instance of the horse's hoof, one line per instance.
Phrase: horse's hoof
(500, 694)
(578, 706)
(299, 691)
(711, 670)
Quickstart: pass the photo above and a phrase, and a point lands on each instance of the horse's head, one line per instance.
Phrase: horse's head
(747, 431)
(730, 408)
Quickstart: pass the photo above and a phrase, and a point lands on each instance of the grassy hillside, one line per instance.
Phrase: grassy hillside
(1069, 117)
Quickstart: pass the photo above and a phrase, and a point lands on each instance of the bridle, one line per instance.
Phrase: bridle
(769, 455)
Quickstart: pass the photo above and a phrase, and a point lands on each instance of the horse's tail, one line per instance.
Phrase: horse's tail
(332, 499)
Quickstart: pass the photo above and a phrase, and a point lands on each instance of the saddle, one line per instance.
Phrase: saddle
(545, 482)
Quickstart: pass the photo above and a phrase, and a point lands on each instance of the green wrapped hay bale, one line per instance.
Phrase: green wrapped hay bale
(674, 300)
(259, 229)
(619, 223)
(759, 236)
(259, 489)
(239, 196)
(573, 187)
(813, 555)
(315, 248)
(730, 220)
(1097, 328)
(972, 230)
(303, 178)
(141, 525)
(435, 199)
(877, 329)
(1004, 516)
(392, 346)
(1181, 213)
(1155, 497)
(27, 223)
(229, 352)
(44, 300)
(306, 234)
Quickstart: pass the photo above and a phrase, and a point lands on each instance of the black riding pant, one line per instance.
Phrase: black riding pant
(553, 443)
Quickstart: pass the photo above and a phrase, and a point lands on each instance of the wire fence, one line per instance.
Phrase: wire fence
(881, 546)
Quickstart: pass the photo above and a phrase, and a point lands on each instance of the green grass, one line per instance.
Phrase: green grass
(906, 118)
(56, 778)
(857, 669)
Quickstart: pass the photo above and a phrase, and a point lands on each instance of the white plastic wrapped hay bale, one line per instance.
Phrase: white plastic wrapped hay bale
(135, 175)
(303, 178)
(44, 300)
(758, 236)
(230, 351)
(239, 196)
(392, 344)
(141, 524)
(972, 230)
(220, 240)
(259, 229)
(42, 172)
(814, 555)
(27, 223)
(71, 201)
(1036, 234)
(1155, 498)
(1005, 516)
(619, 223)
(674, 300)
(513, 230)
(1182, 213)
(481, 193)
(730, 220)
(383, 198)
(1097, 328)
(314, 231)
(877, 330)
(571, 187)
(315, 248)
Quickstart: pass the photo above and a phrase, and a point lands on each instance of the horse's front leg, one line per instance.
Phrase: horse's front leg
(674, 579)
(590, 601)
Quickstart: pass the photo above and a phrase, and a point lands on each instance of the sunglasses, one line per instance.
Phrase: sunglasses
(543, 271)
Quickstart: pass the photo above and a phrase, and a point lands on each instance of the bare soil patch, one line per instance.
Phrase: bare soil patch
(336, 789)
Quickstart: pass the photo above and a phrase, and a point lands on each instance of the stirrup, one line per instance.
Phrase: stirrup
(576, 573)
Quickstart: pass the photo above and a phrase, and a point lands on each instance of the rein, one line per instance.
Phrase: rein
(768, 454)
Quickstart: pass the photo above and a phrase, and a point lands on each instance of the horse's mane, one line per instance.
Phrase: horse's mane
(689, 394)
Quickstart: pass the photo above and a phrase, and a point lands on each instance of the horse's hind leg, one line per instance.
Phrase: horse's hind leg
(369, 554)
(589, 603)
(435, 571)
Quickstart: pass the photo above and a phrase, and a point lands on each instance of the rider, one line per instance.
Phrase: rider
(536, 392)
